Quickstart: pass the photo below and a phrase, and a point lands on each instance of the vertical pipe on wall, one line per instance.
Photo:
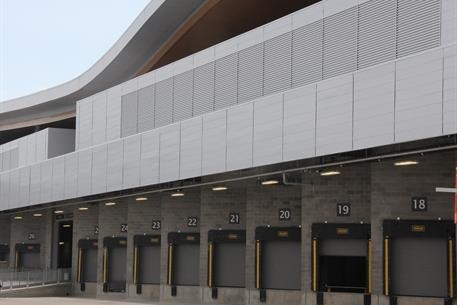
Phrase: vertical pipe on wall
(257, 264)
(386, 266)
(170, 264)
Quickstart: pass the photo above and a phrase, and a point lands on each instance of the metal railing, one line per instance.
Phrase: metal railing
(12, 279)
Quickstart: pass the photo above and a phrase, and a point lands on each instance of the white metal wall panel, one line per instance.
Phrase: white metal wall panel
(214, 142)
(99, 118)
(226, 83)
(6, 159)
(42, 145)
(240, 122)
(278, 63)
(85, 123)
(23, 152)
(203, 98)
(31, 148)
(374, 106)
(183, 92)
(419, 26)
(46, 181)
(113, 113)
(114, 170)
(132, 150)
(149, 169)
(418, 109)
(377, 32)
(58, 178)
(250, 73)
(35, 183)
(307, 52)
(84, 172)
(299, 123)
(129, 116)
(169, 153)
(268, 122)
(448, 21)
(191, 148)
(334, 115)
(4, 189)
(14, 189)
(164, 103)
(146, 106)
(340, 43)
(71, 175)
(14, 162)
(99, 160)
(450, 90)
(24, 190)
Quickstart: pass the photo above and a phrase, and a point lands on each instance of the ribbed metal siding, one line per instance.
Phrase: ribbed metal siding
(307, 48)
(164, 103)
(146, 97)
(419, 26)
(278, 61)
(377, 32)
(250, 73)
(129, 114)
(183, 91)
(226, 91)
(203, 89)
(340, 43)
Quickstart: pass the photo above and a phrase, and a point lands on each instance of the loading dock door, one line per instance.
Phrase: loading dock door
(117, 264)
(27, 256)
(114, 264)
(420, 266)
(90, 265)
(183, 259)
(146, 269)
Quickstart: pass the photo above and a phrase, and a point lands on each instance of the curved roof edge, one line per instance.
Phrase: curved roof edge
(158, 21)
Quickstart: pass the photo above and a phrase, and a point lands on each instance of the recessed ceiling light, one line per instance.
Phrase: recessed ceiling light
(110, 203)
(66, 226)
(17, 217)
(141, 198)
(37, 215)
(58, 212)
(406, 163)
(220, 188)
(83, 208)
(270, 182)
(177, 194)
(61, 243)
(330, 173)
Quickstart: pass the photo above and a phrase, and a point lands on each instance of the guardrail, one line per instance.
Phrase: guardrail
(12, 279)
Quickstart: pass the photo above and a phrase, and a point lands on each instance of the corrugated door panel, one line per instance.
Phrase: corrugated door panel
(191, 148)
(149, 170)
(35, 184)
(146, 97)
(71, 175)
(99, 169)
(226, 92)
(340, 43)
(84, 172)
(164, 103)
(169, 153)
(278, 61)
(58, 178)
(250, 73)
(377, 32)
(307, 52)
(132, 149)
(419, 26)
(240, 122)
(183, 91)
(129, 114)
(24, 191)
(214, 142)
(114, 173)
(203, 89)
(46, 181)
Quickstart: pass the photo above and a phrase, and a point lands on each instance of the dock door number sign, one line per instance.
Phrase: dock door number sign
(419, 204)
(285, 214)
(343, 209)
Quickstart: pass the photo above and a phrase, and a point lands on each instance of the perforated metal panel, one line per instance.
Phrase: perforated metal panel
(377, 32)
(226, 90)
(183, 92)
(129, 114)
(307, 51)
(250, 73)
(203, 100)
(419, 26)
(340, 43)
(146, 98)
(278, 61)
(164, 102)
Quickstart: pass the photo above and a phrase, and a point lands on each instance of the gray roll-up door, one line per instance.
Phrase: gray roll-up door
(419, 267)
(90, 265)
(186, 265)
(281, 265)
(149, 265)
(343, 247)
(117, 265)
(30, 260)
(229, 264)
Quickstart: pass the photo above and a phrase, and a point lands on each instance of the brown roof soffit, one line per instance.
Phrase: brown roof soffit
(39, 121)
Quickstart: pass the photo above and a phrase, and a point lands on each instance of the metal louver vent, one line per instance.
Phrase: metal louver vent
(164, 102)
(278, 57)
(226, 90)
(183, 91)
(250, 73)
(129, 114)
(146, 97)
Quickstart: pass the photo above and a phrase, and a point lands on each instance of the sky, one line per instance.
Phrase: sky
(44, 43)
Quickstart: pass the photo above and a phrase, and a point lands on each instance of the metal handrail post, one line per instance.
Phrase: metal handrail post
(28, 279)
